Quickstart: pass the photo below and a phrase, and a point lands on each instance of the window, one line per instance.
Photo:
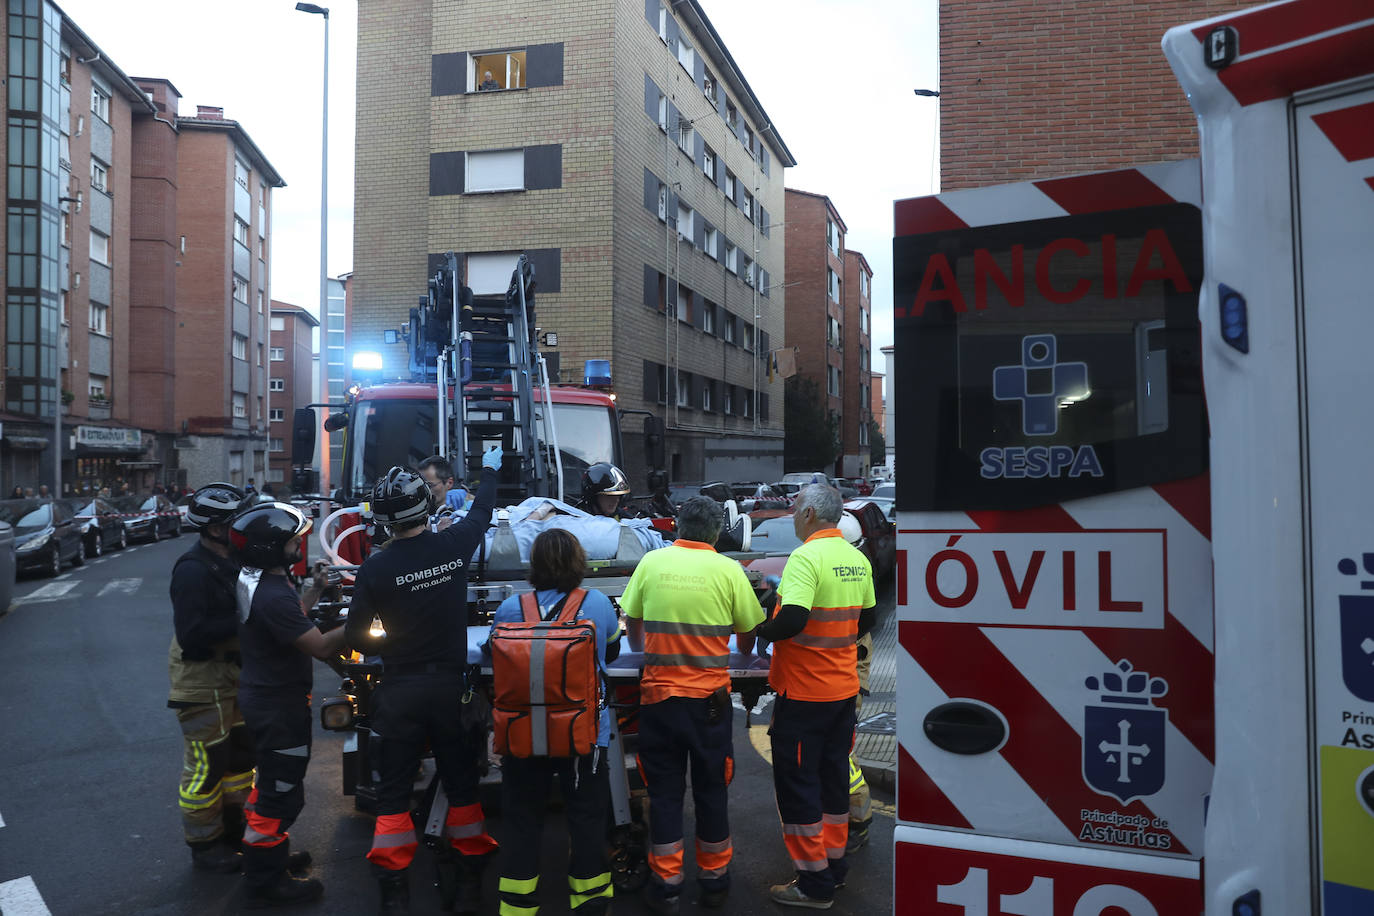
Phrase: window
(276, 414)
(863, 315)
(684, 389)
(712, 243)
(262, 306)
(832, 380)
(262, 248)
(64, 305)
(749, 337)
(708, 163)
(97, 387)
(662, 112)
(99, 175)
(731, 258)
(497, 70)
(257, 411)
(744, 400)
(663, 25)
(276, 475)
(240, 232)
(708, 85)
(747, 205)
(730, 186)
(731, 114)
(706, 396)
(277, 354)
(749, 141)
(65, 229)
(100, 102)
(662, 201)
(832, 237)
(259, 356)
(686, 56)
(684, 222)
(241, 173)
(276, 444)
(731, 324)
(100, 247)
(499, 170)
(240, 289)
(278, 323)
(65, 71)
(708, 318)
(863, 284)
(490, 272)
(276, 384)
(748, 272)
(240, 347)
(684, 135)
(729, 406)
(863, 360)
(100, 316)
(241, 413)
(832, 284)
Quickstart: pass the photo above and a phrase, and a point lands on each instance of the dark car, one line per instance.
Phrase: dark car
(7, 564)
(148, 518)
(101, 527)
(774, 535)
(45, 535)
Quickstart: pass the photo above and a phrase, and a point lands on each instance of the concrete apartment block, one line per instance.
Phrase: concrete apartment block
(562, 161)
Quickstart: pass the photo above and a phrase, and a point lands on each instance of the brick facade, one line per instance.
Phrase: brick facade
(589, 142)
(857, 351)
(1033, 91)
(296, 369)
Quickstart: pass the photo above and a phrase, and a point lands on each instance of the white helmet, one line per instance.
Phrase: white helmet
(849, 527)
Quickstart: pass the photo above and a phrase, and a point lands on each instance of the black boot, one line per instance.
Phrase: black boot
(468, 900)
(284, 891)
(234, 823)
(216, 857)
(395, 889)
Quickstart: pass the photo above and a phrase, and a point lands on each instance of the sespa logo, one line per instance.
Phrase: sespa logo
(1040, 461)
(430, 573)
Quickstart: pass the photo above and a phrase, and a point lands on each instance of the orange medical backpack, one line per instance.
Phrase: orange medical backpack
(546, 681)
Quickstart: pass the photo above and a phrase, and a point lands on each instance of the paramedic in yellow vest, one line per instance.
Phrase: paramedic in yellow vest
(682, 604)
(827, 602)
(557, 564)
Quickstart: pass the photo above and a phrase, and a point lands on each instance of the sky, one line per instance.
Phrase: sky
(835, 76)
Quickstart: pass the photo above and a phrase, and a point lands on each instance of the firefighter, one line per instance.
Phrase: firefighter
(604, 488)
(203, 663)
(448, 497)
(418, 588)
(278, 642)
(557, 565)
(827, 602)
(682, 603)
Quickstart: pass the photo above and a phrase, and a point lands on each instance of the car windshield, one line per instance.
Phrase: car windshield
(149, 504)
(127, 503)
(886, 491)
(775, 535)
(40, 517)
(88, 510)
(680, 494)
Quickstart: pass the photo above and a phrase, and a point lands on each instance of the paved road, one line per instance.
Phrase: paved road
(90, 757)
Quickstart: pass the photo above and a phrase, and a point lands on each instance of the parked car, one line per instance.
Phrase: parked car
(8, 564)
(753, 497)
(884, 491)
(886, 503)
(862, 485)
(679, 493)
(100, 524)
(149, 518)
(45, 535)
(183, 506)
(774, 536)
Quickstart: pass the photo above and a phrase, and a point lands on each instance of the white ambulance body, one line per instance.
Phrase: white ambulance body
(1060, 478)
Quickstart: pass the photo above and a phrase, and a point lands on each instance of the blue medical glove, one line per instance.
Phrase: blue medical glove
(492, 459)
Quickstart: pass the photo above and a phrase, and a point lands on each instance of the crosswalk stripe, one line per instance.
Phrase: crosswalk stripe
(127, 586)
(20, 897)
(53, 591)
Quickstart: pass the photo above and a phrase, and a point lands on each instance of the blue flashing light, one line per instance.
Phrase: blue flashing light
(1235, 321)
(597, 373)
(367, 361)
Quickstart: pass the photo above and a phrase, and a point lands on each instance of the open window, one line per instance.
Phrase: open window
(496, 70)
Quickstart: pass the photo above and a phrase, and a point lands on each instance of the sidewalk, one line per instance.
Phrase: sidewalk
(876, 747)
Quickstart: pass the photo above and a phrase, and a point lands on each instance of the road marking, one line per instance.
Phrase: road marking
(65, 575)
(2, 821)
(20, 897)
(127, 586)
(53, 591)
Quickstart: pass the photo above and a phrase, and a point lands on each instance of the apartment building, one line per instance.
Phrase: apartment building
(290, 383)
(856, 412)
(617, 144)
(114, 209)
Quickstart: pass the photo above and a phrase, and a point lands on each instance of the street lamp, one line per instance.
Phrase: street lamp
(324, 166)
(925, 93)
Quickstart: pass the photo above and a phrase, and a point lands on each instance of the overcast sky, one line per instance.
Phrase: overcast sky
(836, 76)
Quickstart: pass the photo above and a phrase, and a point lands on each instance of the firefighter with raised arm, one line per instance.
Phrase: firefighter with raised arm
(204, 665)
(279, 643)
(418, 588)
(682, 604)
(827, 603)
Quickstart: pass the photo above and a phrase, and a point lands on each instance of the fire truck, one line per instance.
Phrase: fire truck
(1136, 660)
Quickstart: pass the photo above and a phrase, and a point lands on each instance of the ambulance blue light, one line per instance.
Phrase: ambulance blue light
(1235, 323)
(597, 373)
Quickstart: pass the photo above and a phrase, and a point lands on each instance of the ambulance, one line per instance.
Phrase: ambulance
(1136, 517)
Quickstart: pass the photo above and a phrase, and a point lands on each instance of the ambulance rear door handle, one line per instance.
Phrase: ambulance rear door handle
(964, 727)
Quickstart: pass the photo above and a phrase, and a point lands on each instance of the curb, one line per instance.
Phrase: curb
(878, 774)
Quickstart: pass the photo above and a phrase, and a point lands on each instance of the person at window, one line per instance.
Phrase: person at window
(488, 83)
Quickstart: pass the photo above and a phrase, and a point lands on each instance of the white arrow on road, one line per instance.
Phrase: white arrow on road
(125, 586)
(53, 591)
(20, 897)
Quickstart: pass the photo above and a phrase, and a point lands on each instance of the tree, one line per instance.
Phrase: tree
(812, 434)
(877, 445)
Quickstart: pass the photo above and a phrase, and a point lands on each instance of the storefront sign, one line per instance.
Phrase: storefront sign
(109, 437)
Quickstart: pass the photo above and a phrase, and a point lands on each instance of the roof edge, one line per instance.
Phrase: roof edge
(260, 161)
(74, 35)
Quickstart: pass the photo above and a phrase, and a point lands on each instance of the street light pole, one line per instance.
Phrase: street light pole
(324, 167)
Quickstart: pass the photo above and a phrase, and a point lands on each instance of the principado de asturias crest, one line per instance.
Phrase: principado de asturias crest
(1123, 737)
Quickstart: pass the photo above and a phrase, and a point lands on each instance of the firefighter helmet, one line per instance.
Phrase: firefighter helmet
(604, 479)
(401, 499)
(214, 504)
(259, 534)
(850, 528)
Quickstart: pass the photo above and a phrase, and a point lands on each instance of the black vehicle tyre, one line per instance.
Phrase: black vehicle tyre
(176, 528)
(95, 546)
(123, 537)
(54, 567)
(80, 556)
(157, 532)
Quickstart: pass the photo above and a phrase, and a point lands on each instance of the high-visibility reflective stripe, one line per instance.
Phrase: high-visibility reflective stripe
(585, 890)
(686, 644)
(201, 770)
(686, 661)
(665, 859)
(589, 884)
(539, 723)
(665, 849)
(714, 858)
(393, 842)
(510, 909)
(835, 834)
(576, 900)
(300, 751)
(807, 852)
(856, 777)
(802, 829)
(466, 829)
(284, 787)
(833, 614)
(238, 782)
(191, 802)
(519, 885)
(675, 628)
(823, 642)
(829, 820)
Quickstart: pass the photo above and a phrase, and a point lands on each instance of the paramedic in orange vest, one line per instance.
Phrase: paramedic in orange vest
(418, 587)
(682, 604)
(827, 602)
(557, 564)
